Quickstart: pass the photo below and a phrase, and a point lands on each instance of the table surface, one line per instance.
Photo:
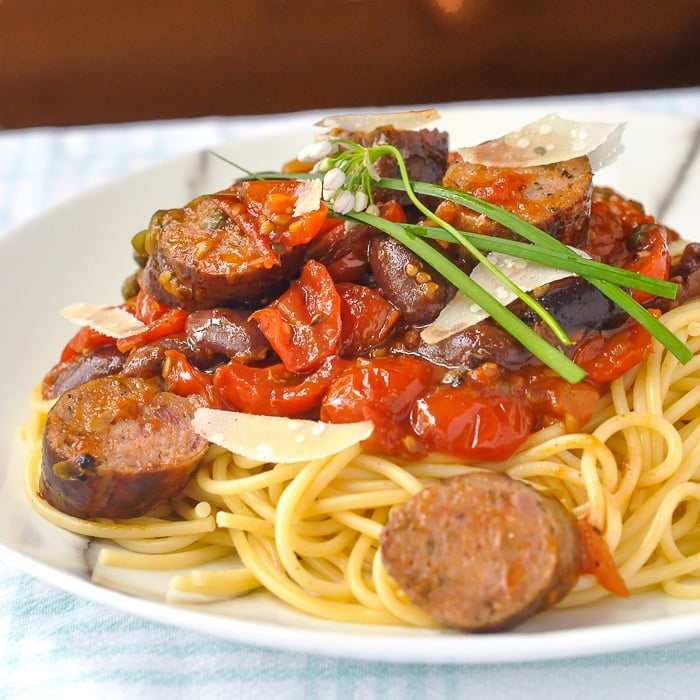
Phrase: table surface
(56, 645)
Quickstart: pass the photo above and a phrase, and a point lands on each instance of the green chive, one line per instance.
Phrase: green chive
(508, 283)
(577, 264)
(544, 240)
(524, 334)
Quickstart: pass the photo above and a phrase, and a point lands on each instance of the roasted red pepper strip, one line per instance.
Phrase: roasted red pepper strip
(172, 321)
(183, 378)
(598, 560)
(606, 356)
(303, 324)
(85, 340)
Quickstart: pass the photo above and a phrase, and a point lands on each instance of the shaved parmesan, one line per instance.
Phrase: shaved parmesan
(550, 139)
(108, 320)
(275, 439)
(308, 197)
(411, 119)
(461, 312)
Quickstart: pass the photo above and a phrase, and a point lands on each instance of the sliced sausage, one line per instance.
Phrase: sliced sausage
(115, 447)
(485, 341)
(227, 332)
(208, 254)
(413, 287)
(556, 197)
(482, 551)
(101, 362)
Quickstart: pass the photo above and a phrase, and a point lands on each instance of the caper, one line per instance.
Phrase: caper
(637, 237)
(152, 233)
(130, 286)
(138, 244)
(216, 218)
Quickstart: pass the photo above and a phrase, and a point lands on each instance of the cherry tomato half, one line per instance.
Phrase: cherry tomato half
(367, 318)
(650, 255)
(274, 390)
(382, 390)
(555, 399)
(606, 356)
(147, 308)
(303, 324)
(472, 420)
(275, 201)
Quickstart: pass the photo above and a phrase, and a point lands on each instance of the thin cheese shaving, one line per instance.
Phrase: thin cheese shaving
(461, 312)
(108, 320)
(275, 439)
(308, 197)
(550, 139)
(411, 119)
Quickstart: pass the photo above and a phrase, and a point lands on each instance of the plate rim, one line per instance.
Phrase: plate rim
(437, 647)
(494, 648)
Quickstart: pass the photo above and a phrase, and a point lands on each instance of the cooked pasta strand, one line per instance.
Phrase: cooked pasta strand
(309, 532)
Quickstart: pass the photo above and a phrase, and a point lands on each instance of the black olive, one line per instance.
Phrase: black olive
(85, 460)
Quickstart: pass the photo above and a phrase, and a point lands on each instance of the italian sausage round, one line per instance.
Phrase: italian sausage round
(115, 447)
(482, 551)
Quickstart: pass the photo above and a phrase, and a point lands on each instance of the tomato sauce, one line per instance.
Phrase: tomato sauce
(333, 352)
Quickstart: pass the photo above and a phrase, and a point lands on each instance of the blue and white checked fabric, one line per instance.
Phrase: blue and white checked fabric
(54, 645)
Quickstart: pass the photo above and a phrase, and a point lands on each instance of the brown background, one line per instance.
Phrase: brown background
(91, 61)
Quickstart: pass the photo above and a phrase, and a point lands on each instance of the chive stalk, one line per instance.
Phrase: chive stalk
(526, 336)
(549, 243)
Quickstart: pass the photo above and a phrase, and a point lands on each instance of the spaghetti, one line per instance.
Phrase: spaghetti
(308, 532)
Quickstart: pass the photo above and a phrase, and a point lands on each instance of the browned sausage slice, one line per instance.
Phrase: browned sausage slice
(115, 447)
(207, 254)
(482, 551)
(556, 197)
(146, 361)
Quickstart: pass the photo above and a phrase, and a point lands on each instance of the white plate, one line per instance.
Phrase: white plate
(81, 251)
